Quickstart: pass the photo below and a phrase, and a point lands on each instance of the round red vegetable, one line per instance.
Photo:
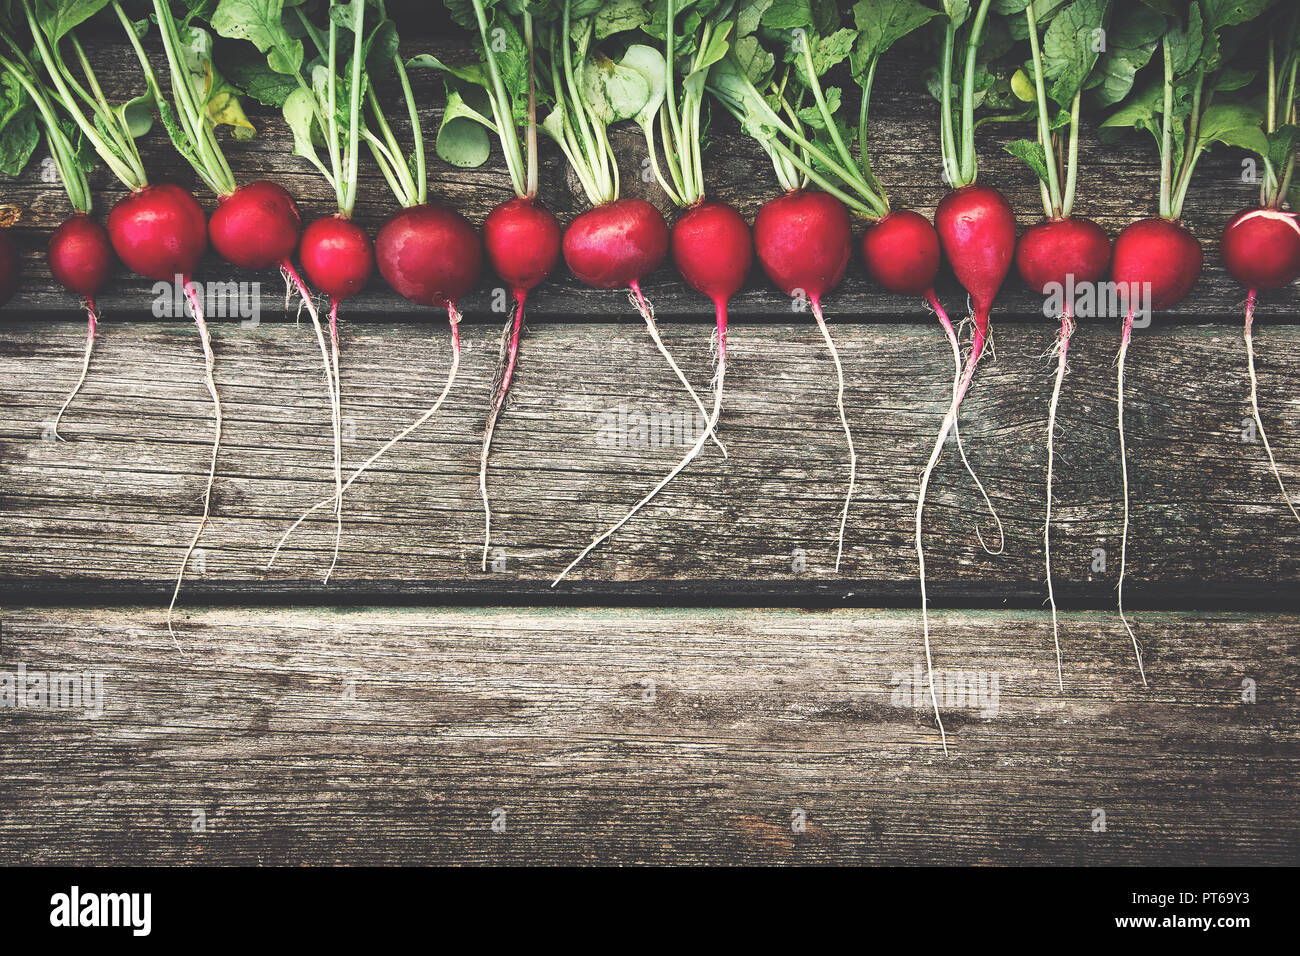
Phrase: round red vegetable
(901, 252)
(81, 257)
(256, 227)
(1050, 251)
(615, 244)
(522, 240)
(429, 254)
(1160, 252)
(1261, 248)
(713, 250)
(159, 232)
(803, 242)
(337, 256)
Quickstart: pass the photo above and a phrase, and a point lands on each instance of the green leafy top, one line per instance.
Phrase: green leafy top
(110, 130)
(498, 94)
(787, 108)
(967, 23)
(24, 103)
(316, 70)
(696, 35)
(203, 100)
(1182, 110)
(592, 90)
(1064, 61)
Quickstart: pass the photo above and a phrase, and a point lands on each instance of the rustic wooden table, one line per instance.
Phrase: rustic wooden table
(705, 688)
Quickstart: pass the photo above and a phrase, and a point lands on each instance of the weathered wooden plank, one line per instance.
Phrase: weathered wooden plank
(649, 736)
(1117, 185)
(108, 512)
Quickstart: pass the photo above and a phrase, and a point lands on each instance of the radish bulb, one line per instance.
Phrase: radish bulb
(977, 231)
(1261, 249)
(520, 236)
(1157, 261)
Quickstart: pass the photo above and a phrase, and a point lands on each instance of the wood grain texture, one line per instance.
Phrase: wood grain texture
(1117, 184)
(649, 736)
(112, 508)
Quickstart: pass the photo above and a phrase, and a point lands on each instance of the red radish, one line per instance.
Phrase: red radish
(10, 268)
(803, 242)
(710, 242)
(430, 255)
(1061, 252)
(1261, 249)
(522, 239)
(81, 259)
(159, 232)
(1050, 251)
(713, 251)
(1159, 253)
(616, 244)
(978, 231)
(338, 258)
(901, 252)
(256, 227)
(427, 253)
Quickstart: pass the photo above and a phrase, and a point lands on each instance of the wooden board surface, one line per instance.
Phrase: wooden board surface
(335, 732)
(648, 736)
(113, 507)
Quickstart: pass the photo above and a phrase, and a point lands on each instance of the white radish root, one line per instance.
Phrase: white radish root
(648, 313)
(690, 455)
(454, 318)
(331, 367)
(959, 393)
(954, 342)
(1254, 401)
(209, 362)
(92, 322)
(844, 421)
(1061, 348)
(1123, 461)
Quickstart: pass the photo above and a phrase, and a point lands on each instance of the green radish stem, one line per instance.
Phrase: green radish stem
(209, 363)
(1062, 347)
(454, 318)
(1123, 461)
(1254, 400)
